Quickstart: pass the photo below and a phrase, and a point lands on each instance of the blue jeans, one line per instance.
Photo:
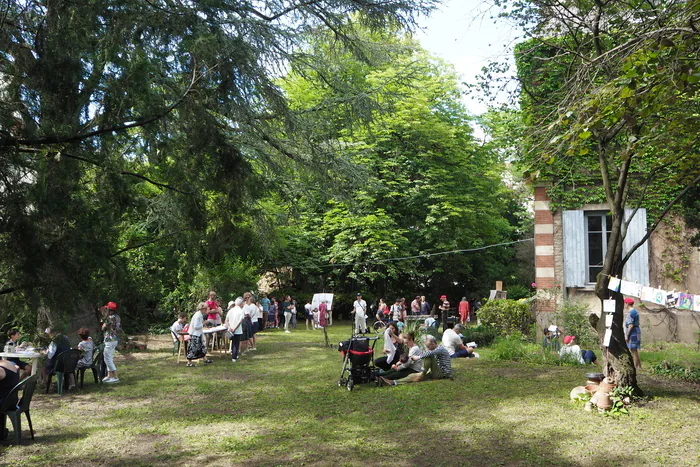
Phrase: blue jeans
(462, 353)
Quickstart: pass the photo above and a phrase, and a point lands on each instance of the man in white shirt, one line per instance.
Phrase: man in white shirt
(359, 308)
(234, 323)
(453, 343)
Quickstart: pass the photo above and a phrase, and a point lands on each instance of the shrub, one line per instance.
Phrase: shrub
(516, 348)
(507, 316)
(482, 335)
(517, 291)
(676, 371)
(573, 317)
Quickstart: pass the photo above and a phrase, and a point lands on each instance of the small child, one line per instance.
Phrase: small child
(179, 325)
(87, 347)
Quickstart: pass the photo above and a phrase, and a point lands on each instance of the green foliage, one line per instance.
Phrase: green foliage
(517, 348)
(518, 291)
(483, 335)
(676, 371)
(573, 318)
(507, 316)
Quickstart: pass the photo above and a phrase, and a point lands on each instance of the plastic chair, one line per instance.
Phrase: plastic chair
(13, 410)
(97, 363)
(66, 363)
(176, 342)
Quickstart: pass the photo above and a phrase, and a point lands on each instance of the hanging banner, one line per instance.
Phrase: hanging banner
(631, 289)
(608, 320)
(607, 337)
(672, 299)
(685, 302)
(609, 306)
(614, 284)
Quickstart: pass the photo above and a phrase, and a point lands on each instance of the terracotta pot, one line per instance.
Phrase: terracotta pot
(603, 400)
(592, 388)
(606, 387)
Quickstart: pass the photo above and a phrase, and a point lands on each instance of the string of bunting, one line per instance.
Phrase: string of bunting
(658, 296)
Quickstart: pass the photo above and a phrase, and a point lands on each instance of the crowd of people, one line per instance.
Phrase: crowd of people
(244, 318)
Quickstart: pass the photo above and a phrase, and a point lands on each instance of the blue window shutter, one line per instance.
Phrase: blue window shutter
(637, 268)
(574, 249)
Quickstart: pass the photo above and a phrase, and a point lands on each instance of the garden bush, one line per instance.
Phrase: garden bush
(482, 335)
(517, 348)
(573, 317)
(507, 316)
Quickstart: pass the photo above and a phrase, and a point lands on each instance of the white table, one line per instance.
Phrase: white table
(215, 331)
(33, 356)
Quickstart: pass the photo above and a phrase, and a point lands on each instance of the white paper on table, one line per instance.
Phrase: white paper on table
(696, 303)
(608, 320)
(614, 284)
(607, 337)
(609, 306)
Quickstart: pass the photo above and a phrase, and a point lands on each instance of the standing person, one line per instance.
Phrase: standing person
(261, 320)
(234, 324)
(265, 304)
(250, 310)
(464, 311)
(415, 306)
(215, 311)
(633, 333)
(444, 311)
(272, 316)
(396, 310)
(287, 307)
(309, 315)
(403, 308)
(111, 327)
(196, 348)
(383, 311)
(294, 312)
(323, 314)
(424, 306)
(359, 309)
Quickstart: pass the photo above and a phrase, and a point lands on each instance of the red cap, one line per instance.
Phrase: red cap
(629, 301)
(568, 339)
(443, 297)
(111, 306)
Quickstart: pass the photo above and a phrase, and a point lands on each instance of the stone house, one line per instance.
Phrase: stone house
(569, 249)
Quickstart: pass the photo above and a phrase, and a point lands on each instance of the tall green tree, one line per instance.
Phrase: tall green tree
(126, 123)
(610, 95)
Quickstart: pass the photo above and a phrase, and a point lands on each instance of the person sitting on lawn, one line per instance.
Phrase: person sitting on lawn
(436, 364)
(391, 342)
(12, 346)
(407, 364)
(572, 351)
(453, 343)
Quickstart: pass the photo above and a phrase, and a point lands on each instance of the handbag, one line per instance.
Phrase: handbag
(229, 335)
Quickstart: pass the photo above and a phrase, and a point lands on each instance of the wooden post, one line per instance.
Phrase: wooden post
(499, 285)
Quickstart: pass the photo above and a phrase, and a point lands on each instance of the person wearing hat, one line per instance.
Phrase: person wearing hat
(111, 326)
(359, 309)
(633, 333)
(571, 350)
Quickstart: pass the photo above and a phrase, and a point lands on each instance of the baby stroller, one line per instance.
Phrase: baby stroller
(358, 361)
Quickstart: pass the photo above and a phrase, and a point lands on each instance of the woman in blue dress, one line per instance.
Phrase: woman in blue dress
(633, 332)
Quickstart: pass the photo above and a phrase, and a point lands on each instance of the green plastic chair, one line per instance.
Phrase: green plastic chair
(66, 364)
(10, 408)
(96, 367)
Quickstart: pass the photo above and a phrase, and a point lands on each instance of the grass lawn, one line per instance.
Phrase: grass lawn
(281, 405)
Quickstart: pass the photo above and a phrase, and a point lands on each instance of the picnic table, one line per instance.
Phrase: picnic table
(26, 355)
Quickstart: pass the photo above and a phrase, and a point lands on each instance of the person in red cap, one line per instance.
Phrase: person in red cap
(633, 333)
(111, 326)
(571, 350)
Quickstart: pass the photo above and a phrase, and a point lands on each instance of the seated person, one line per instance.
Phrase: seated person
(430, 324)
(554, 341)
(87, 347)
(436, 365)
(453, 343)
(179, 326)
(391, 342)
(572, 351)
(9, 378)
(12, 346)
(59, 344)
(407, 364)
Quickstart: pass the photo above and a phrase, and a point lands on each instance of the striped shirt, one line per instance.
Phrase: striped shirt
(443, 359)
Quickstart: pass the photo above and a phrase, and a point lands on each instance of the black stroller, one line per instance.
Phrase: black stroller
(358, 361)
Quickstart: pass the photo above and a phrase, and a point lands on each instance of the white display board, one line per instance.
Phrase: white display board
(319, 297)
